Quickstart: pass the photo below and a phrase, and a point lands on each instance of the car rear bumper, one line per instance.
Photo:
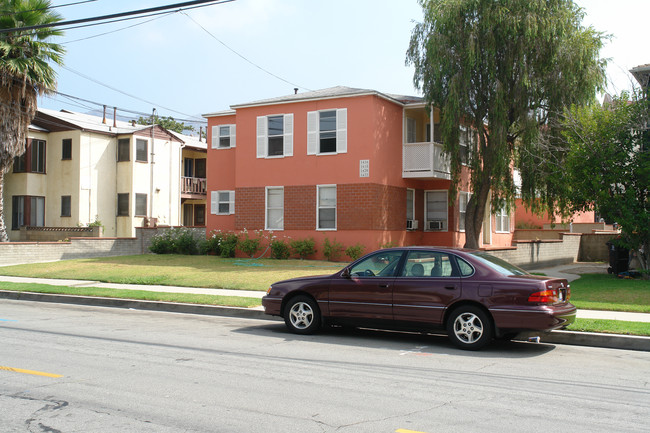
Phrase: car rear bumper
(535, 318)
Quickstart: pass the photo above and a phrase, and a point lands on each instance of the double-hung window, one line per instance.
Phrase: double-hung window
(66, 206)
(327, 132)
(140, 204)
(274, 208)
(123, 204)
(502, 221)
(410, 209)
(223, 136)
(326, 218)
(436, 211)
(275, 136)
(463, 198)
(27, 211)
(33, 160)
(66, 149)
(123, 149)
(141, 150)
(222, 202)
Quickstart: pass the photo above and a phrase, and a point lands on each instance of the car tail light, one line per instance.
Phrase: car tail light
(545, 297)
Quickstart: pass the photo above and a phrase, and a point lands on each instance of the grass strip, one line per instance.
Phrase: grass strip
(142, 295)
(606, 292)
(610, 327)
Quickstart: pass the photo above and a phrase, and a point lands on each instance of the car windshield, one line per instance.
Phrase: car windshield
(497, 264)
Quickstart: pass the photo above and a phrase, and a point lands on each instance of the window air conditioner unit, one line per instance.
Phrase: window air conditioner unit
(411, 224)
(435, 225)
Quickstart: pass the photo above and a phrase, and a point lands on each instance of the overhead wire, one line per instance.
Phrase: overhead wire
(47, 8)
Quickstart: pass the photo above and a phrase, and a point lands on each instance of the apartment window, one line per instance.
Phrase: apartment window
(222, 202)
(326, 207)
(436, 211)
(275, 136)
(327, 132)
(199, 168)
(188, 167)
(141, 205)
(38, 156)
(467, 142)
(274, 208)
(141, 150)
(123, 149)
(27, 211)
(410, 204)
(199, 215)
(20, 163)
(463, 199)
(223, 136)
(66, 148)
(411, 131)
(66, 206)
(123, 204)
(502, 221)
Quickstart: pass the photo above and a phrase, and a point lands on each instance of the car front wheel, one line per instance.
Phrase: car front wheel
(302, 315)
(469, 327)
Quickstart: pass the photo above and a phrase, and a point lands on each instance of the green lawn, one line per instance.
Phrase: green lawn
(606, 292)
(610, 327)
(177, 270)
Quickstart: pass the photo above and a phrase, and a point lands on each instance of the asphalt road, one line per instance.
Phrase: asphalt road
(70, 368)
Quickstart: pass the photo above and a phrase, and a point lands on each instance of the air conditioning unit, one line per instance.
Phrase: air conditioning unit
(435, 225)
(411, 224)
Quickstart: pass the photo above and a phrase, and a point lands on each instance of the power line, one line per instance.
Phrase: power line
(47, 8)
(150, 11)
(240, 55)
(118, 30)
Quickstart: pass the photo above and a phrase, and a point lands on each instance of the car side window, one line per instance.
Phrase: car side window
(382, 264)
(428, 264)
(465, 268)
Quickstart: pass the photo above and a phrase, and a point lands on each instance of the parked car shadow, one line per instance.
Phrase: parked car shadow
(407, 342)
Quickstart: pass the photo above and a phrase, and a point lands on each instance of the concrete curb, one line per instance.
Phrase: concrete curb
(612, 341)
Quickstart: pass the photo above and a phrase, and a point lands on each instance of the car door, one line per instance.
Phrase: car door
(365, 289)
(428, 282)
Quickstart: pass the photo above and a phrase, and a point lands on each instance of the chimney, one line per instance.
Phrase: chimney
(104, 120)
(295, 90)
(114, 116)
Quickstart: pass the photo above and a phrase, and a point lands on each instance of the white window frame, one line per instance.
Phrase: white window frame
(502, 221)
(412, 210)
(426, 203)
(263, 136)
(268, 209)
(216, 200)
(319, 207)
(314, 132)
(216, 136)
(462, 209)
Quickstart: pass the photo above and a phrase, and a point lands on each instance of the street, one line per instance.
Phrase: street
(70, 368)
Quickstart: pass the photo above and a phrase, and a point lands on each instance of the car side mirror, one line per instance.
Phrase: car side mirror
(345, 273)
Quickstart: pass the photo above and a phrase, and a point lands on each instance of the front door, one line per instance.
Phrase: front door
(368, 291)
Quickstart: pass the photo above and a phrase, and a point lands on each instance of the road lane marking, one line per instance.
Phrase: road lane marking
(35, 373)
(402, 430)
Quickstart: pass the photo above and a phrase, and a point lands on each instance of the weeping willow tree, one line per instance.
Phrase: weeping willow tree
(507, 68)
(25, 74)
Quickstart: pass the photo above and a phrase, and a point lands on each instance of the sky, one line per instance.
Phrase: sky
(185, 64)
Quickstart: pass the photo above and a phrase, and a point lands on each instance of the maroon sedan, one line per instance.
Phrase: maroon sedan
(472, 295)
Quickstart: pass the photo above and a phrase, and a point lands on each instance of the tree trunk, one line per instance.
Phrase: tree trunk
(476, 214)
(4, 237)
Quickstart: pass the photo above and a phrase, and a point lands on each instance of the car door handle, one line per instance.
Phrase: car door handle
(384, 286)
(450, 287)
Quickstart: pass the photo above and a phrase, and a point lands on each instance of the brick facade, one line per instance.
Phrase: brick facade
(367, 206)
(249, 208)
(300, 207)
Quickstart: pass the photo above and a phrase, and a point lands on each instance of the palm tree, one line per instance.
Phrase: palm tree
(25, 74)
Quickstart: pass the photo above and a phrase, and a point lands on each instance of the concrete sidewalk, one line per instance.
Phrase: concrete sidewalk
(570, 272)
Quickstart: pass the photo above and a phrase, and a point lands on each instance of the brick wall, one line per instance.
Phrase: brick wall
(539, 254)
(53, 234)
(370, 207)
(249, 208)
(593, 247)
(300, 207)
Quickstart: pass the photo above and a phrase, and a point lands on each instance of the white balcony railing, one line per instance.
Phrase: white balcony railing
(425, 160)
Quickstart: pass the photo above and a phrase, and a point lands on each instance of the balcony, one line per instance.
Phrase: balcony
(425, 161)
(193, 188)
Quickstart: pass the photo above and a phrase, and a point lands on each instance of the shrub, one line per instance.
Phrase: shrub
(354, 251)
(212, 245)
(387, 245)
(228, 245)
(303, 247)
(174, 241)
(280, 249)
(332, 250)
(248, 245)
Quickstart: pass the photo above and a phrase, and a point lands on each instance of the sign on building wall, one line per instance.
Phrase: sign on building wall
(364, 168)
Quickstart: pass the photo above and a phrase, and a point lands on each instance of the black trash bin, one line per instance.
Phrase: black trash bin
(618, 259)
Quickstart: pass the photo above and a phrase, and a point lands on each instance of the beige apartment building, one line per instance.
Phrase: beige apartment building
(80, 168)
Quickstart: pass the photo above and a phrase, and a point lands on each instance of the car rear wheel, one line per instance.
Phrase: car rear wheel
(302, 315)
(469, 327)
